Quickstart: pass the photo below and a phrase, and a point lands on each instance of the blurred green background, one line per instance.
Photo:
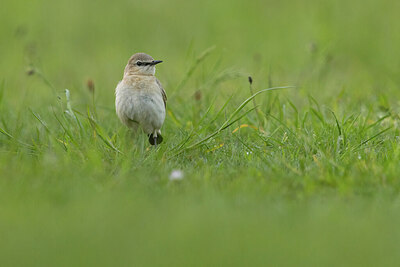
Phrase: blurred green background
(302, 190)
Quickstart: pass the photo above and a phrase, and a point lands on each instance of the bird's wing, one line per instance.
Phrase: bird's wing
(164, 95)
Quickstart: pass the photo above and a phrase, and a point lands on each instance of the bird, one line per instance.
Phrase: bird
(140, 99)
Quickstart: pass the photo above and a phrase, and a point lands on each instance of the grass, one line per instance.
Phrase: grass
(300, 168)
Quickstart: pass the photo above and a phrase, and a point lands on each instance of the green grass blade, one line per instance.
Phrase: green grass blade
(241, 106)
(372, 138)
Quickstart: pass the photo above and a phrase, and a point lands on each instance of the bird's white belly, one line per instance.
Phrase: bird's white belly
(140, 107)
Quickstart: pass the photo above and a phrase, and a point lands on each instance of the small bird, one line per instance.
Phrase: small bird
(140, 98)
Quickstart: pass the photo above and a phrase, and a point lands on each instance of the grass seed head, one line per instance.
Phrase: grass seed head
(198, 95)
(90, 85)
(30, 71)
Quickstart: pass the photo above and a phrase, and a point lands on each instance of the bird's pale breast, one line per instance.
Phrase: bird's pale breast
(139, 102)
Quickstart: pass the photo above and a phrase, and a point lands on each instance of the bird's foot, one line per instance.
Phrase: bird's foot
(155, 140)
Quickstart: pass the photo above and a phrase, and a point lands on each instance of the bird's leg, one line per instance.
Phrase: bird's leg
(155, 139)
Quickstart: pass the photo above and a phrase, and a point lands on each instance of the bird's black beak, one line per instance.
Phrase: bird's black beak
(155, 62)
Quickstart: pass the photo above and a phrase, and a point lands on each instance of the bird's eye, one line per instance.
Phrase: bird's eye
(139, 63)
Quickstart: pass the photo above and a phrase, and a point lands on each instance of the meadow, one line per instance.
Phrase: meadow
(304, 174)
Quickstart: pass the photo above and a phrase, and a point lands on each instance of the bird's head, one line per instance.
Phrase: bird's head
(141, 64)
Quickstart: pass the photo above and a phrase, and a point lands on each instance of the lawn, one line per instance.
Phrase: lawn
(301, 167)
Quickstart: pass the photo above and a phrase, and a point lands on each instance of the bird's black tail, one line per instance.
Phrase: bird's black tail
(153, 140)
